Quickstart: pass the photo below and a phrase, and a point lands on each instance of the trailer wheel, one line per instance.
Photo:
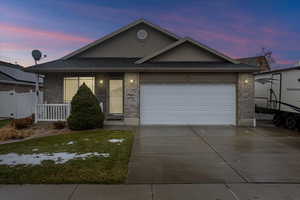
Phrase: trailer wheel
(291, 122)
(278, 119)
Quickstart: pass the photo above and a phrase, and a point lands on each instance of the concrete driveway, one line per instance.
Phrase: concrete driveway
(214, 154)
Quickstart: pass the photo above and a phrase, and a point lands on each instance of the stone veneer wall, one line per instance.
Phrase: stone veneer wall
(245, 100)
(131, 99)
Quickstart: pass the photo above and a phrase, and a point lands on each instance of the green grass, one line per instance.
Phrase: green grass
(90, 170)
(4, 122)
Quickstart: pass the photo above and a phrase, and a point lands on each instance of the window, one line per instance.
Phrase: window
(71, 85)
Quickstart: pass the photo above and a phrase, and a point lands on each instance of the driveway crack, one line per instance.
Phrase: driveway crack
(218, 154)
(232, 192)
(73, 191)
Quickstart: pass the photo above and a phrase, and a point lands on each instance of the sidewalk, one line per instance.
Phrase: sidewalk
(151, 192)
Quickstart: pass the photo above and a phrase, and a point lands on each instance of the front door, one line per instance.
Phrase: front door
(116, 96)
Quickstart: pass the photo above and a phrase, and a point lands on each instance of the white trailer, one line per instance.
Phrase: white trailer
(278, 92)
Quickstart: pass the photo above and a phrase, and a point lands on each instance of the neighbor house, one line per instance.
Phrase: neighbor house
(260, 61)
(12, 77)
(144, 74)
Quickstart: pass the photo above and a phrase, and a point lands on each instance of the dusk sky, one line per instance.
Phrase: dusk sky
(236, 28)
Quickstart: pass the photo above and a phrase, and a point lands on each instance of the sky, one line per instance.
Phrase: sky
(238, 28)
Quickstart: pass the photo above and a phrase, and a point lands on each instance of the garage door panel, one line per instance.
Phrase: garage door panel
(188, 104)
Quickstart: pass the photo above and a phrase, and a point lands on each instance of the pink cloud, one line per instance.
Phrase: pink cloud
(286, 62)
(17, 30)
(12, 46)
(243, 37)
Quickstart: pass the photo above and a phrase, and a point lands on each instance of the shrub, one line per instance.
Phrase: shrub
(22, 123)
(85, 110)
(10, 132)
(59, 125)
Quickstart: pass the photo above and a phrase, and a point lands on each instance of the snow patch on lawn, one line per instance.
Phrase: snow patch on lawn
(116, 140)
(70, 143)
(13, 159)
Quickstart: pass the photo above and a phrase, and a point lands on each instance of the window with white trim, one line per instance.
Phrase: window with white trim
(71, 85)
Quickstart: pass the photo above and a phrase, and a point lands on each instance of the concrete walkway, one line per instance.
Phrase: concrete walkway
(151, 192)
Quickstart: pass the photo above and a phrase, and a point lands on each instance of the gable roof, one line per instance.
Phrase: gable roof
(123, 29)
(182, 41)
(2, 63)
(16, 73)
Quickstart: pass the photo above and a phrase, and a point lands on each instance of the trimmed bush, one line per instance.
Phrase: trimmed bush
(22, 123)
(85, 110)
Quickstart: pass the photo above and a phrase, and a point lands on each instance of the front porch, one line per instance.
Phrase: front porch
(117, 92)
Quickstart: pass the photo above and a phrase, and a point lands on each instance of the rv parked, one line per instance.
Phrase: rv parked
(278, 92)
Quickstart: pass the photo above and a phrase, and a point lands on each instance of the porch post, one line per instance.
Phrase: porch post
(37, 88)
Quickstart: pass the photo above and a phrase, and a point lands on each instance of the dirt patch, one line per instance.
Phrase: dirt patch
(9, 134)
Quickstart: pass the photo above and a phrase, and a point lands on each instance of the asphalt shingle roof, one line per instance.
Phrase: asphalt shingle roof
(16, 73)
(128, 64)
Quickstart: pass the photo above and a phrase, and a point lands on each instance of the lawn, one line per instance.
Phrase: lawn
(4, 122)
(102, 156)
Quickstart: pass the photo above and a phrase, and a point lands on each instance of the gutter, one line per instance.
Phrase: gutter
(145, 69)
(19, 83)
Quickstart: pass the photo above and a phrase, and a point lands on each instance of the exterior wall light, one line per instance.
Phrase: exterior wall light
(131, 81)
(101, 82)
(246, 81)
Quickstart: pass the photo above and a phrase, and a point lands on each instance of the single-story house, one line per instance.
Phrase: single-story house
(144, 74)
(12, 77)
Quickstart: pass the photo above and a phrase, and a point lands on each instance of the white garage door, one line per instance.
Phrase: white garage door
(188, 104)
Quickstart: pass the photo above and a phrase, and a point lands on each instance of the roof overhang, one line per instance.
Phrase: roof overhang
(19, 83)
(278, 70)
(148, 69)
(128, 65)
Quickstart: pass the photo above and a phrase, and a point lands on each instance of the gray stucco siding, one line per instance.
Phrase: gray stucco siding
(53, 88)
(118, 46)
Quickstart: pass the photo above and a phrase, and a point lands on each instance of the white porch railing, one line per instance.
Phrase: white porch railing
(52, 112)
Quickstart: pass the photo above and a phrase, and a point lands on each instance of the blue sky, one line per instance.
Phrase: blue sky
(236, 28)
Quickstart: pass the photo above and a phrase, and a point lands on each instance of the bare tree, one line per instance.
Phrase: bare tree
(267, 53)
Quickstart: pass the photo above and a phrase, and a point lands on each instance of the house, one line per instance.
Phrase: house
(144, 74)
(260, 61)
(12, 77)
